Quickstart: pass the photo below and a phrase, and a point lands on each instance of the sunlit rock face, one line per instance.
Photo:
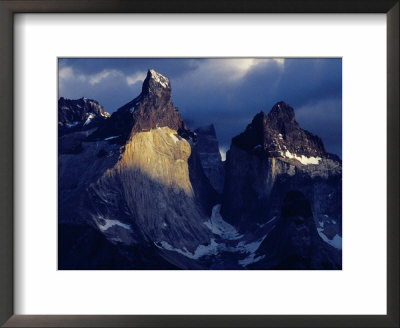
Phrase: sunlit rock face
(152, 179)
(162, 155)
(137, 180)
(272, 157)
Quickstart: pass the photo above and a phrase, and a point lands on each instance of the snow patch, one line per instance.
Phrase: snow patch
(302, 159)
(227, 234)
(250, 247)
(110, 223)
(110, 138)
(220, 227)
(201, 250)
(336, 241)
(214, 248)
(161, 79)
(71, 125)
(261, 225)
(89, 119)
(222, 152)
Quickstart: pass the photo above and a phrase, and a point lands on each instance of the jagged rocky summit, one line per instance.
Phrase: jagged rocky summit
(76, 120)
(139, 190)
(273, 157)
(83, 113)
(153, 108)
(278, 134)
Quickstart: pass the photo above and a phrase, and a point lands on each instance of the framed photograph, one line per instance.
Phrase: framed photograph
(197, 164)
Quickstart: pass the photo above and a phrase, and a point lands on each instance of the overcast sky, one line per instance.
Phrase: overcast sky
(226, 92)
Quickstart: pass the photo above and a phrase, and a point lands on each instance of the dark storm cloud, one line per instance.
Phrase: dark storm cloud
(323, 118)
(112, 82)
(226, 92)
(171, 67)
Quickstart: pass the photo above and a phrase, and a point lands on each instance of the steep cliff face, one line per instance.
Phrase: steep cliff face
(210, 157)
(152, 179)
(273, 157)
(137, 178)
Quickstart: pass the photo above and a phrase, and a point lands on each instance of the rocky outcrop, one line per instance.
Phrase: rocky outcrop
(294, 243)
(210, 157)
(80, 114)
(272, 157)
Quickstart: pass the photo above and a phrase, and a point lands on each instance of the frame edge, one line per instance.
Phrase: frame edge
(393, 147)
(6, 200)
(6, 165)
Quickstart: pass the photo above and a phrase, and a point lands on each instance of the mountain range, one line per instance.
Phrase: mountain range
(139, 190)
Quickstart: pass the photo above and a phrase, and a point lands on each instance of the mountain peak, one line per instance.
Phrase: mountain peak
(282, 118)
(282, 110)
(161, 79)
(153, 108)
(279, 135)
(156, 84)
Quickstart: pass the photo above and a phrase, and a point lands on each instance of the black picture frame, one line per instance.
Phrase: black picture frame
(10, 7)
